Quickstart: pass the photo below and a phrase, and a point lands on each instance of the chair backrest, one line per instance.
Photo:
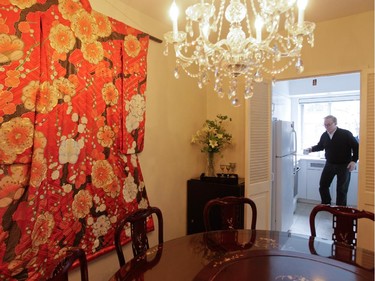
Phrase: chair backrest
(220, 242)
(345, 227)
(138, 230)
(135, 269)
(345, 222)
(60, 272)
(230, 210)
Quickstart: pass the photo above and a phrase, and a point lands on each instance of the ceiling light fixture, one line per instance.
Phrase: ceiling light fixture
(250, 45)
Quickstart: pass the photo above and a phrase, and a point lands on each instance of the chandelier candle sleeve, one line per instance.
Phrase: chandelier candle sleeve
(301, 10)
(259, 26)
(234, 43)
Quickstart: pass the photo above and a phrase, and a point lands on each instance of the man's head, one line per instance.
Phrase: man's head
(330, 123)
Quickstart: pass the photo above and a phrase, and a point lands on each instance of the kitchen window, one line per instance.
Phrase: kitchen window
(346, 109)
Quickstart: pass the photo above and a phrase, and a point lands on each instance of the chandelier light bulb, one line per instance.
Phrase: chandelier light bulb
(173, 13)
(302, 4)
(230, 45)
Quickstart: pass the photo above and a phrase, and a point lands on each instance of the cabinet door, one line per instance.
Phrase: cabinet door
(352, 196)
(199, 193)
(302, 174)
(353, 190)
(312, 185)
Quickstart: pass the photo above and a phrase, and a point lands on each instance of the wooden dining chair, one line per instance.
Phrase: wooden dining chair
(60, 272)
(229, 212)
(345, 228)
(138, 230)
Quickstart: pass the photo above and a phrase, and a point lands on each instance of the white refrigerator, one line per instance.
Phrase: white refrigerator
(284, 170)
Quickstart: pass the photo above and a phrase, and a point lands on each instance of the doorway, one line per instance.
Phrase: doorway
(305, 102)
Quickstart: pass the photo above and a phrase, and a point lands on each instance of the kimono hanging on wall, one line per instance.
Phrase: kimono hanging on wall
(72, 119)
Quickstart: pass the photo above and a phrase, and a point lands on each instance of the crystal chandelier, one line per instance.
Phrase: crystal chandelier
(241, 40)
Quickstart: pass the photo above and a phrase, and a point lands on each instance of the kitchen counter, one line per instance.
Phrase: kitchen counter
(310, 157)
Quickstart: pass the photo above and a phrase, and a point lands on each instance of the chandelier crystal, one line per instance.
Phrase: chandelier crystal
(242, 39)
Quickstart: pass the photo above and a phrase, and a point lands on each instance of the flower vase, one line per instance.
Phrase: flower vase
(210, 168)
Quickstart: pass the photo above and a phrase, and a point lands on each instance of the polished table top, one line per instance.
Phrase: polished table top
(238, 254)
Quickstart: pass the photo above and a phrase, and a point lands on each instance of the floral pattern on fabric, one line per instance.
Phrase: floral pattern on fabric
(72, 118)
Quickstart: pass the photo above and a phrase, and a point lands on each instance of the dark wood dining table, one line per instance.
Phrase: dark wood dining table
(248, 255)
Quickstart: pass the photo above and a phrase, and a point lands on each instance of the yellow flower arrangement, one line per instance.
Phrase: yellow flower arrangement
(213, 137)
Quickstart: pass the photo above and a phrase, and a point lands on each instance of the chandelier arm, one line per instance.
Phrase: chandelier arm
(212, 48)
(184, 58)
(285, 49)
(272, 34)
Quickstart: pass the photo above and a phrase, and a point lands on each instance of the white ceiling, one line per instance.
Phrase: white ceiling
(317, 10)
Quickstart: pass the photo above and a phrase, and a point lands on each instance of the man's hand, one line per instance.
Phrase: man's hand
(351, 166)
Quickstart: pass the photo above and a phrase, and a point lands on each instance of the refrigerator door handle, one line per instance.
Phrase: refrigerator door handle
(295, 141)
(296, 170)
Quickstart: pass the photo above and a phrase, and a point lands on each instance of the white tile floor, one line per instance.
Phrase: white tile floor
(301, 223)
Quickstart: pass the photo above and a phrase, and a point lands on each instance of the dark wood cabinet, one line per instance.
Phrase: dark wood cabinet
(199, 192)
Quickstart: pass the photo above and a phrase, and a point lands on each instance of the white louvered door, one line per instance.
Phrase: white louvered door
(258, 147)
(366, 170)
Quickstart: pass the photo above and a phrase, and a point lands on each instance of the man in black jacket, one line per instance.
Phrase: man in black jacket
(341, 153)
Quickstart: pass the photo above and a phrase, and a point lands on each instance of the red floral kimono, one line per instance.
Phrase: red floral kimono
(72, 118)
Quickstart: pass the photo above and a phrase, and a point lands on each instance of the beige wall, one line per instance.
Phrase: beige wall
(342, 45)
(176, 109)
